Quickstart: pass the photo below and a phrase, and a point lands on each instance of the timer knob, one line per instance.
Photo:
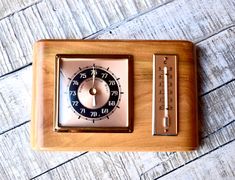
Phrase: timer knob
(94, 93)
(86, 93)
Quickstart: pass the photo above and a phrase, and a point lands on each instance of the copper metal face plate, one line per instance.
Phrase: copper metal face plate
(67, 119)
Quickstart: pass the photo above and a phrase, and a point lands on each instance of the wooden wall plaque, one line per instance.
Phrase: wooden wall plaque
(119, 114)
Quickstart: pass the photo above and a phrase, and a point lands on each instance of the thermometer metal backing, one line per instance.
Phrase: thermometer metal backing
(165, 109)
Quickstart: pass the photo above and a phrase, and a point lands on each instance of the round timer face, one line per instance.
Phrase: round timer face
(94, 93)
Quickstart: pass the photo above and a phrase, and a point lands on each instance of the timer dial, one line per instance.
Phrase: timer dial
(94, 92)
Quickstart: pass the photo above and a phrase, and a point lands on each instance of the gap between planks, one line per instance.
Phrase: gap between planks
(21, 9)
(116, 25)
(209, 152)
(172, 154)
(204, 137)
(218, 87)
(60, 164)
(19, 125)
(218, 164)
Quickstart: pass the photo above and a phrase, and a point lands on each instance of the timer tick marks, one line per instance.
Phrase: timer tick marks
(106, 105)
(93, 112)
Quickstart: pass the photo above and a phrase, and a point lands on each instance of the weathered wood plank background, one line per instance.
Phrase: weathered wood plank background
(208, 23)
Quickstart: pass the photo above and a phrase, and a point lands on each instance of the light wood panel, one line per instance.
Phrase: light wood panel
(216, 64)
(180, 159)
(141, 139)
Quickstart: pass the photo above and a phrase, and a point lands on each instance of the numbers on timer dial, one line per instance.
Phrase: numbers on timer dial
(94, 93)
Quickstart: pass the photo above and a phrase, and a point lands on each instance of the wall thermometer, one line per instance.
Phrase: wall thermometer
(164, 118)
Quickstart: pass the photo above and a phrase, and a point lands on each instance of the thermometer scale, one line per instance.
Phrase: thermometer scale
(166, 117)
(164, 120)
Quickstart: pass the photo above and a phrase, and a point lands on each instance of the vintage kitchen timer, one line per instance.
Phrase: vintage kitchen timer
(92, 93)
(114, 95)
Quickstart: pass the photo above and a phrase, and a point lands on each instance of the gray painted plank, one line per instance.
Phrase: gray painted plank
(217, 109)
(138, 165)
(216, 60)
(9, 7)
(183, 19)
(217, 165)
(67, 19)
(15, 99)
(209, 144)
(19, 161)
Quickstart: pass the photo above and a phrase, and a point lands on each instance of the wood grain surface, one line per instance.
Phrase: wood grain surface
(210, 24)
(141, 139)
